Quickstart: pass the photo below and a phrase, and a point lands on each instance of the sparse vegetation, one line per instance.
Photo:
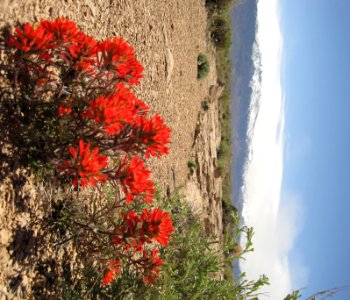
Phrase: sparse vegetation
(191, 166)
(220, 32)
(205, 105)
(223, 67)
(202, 66)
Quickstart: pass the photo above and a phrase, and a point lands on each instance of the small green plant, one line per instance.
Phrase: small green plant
(191, 166)
(202, 66)
(205, 105)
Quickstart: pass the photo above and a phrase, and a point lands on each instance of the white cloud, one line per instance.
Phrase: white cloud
(300, 274)
(273, 240)
(276, 223)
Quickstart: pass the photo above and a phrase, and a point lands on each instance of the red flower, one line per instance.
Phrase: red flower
(151, 267)
(30, 39)
(132, 221)
(151, 134)
(64, 110)
(157, 225)
(117, 57)
(127, 235)
(113, 270)
(113, 112)
(136, 230)
(135, 180)
(76, 46)
(85, 164)
(82, 51)
(140, 107)
(61, 34)
(62, 29)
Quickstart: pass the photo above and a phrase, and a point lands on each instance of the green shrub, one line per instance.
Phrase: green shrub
(190, 269)
(219, 3)
(221, 32)
(202, 66)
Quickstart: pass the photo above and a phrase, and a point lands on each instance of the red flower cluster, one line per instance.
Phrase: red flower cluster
(114, 269)
(110, 130)
(61, 39)
(85, 164)
(117, 57)
(152, 134)
(135, 181)
(157, 225)
(30, 39)
(113, 118)
(64, 110)
(113, 112)
(151, 266)
(152, 225)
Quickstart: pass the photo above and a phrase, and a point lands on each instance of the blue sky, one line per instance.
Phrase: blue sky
(296, 185)
(316, 87)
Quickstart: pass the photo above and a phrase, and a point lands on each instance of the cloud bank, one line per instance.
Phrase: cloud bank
(276, 223)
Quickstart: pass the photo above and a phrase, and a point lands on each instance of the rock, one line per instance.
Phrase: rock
(204, 189)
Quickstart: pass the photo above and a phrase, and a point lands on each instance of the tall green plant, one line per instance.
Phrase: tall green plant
(192, 266)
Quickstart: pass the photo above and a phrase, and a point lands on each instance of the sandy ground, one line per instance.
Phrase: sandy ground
(167, 36)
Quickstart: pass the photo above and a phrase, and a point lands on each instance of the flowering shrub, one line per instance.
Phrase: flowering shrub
(78, 112)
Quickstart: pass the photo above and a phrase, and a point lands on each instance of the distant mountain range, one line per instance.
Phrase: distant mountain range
(245, 89)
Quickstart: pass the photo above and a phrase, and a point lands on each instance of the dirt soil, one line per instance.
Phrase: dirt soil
(167, 37)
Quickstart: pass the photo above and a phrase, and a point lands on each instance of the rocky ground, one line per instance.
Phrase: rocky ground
(167, 36)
